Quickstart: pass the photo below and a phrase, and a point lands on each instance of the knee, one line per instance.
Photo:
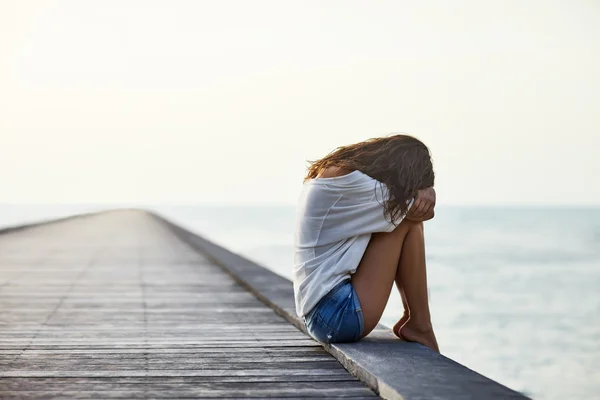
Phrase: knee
(416, 227)
(405, 227)
(411, 223)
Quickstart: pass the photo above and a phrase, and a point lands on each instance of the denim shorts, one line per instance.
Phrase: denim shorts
(337, 317)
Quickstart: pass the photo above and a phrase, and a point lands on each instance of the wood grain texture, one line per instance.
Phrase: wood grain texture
(114, 305)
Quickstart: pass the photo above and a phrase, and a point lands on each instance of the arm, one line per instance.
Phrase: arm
(423, 207)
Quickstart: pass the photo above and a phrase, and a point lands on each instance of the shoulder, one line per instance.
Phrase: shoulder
(333, 171)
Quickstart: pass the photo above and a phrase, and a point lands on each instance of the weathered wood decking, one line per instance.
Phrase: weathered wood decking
(115, 305)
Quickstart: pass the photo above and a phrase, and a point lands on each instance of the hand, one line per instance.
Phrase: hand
(423, 206)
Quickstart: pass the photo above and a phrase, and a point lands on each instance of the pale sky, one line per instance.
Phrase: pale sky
(223, 101)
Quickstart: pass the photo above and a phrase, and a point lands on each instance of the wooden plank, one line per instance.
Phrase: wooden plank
(36, 384)
(173, 385)
(168, 351)
(105, 359)
(200, 386)
(328, 371)
(53, 365)
(164, 345)
(192, 393)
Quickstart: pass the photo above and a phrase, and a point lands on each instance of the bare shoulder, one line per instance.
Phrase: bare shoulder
(333, 171)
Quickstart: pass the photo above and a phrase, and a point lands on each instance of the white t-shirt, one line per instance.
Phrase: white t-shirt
(335, 219)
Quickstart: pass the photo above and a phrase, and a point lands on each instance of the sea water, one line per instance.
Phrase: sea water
(514, 292)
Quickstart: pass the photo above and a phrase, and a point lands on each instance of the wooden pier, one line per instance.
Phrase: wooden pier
(125, 304)
(116, 305)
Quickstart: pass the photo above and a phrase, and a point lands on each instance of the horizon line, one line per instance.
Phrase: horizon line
(282, 204)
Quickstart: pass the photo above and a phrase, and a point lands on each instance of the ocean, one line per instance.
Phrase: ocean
(514, 292)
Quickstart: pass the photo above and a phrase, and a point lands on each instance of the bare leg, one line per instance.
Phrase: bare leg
(411, 279)
(388, 259)
(375, 275)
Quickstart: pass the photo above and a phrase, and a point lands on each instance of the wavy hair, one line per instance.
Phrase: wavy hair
(401, 162)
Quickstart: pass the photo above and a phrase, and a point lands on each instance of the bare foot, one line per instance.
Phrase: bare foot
(424, 335)
(400, 324)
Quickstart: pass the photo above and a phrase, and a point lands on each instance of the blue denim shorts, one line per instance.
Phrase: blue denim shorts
(337, 317)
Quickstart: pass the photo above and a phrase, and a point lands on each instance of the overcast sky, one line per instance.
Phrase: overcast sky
(223, 101)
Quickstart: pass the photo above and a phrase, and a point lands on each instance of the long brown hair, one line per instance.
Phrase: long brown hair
(401, 162)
